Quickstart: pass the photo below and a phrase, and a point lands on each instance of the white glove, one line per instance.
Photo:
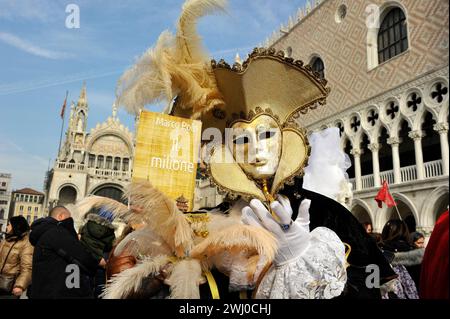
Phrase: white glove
(293, 236)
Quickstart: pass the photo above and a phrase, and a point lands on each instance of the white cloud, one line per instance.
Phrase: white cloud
(35, 10)
(20, 87)
(28, 47)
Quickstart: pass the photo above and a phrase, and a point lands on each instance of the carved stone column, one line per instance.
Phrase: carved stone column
(356, 152)
(394, 142)
(442, 129)
(417, 137)
(375, 147)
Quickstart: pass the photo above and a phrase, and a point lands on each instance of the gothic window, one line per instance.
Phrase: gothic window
(116, 163)
(355, 124)
(393, 35)
(289, 52)
(318, 66)
(385, 152)
(366, 156)
(108, 162)
(340, 126)
(431, 146)
(126, 162)
(29, 208)
(406, 147)
(28, 219)
(392, 110)
(372, 118)
(21, 208)
(2, 213)
(91, 162)
(347, 150)
(100, 160)
(439, 92)
(414, 102)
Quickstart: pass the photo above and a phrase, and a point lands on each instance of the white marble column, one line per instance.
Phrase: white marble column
(442, 129)
(394, 142)
(374, 147)
(417, 137)
(356, 152)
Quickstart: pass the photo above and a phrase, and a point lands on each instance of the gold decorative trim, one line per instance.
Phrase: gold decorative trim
(276, 55)
(252, 115)
(259, 53)
(233, 195)
(299, 172)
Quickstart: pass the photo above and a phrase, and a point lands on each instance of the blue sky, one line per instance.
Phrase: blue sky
(40, 59)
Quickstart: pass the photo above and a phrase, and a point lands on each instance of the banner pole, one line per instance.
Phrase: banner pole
(395, 203)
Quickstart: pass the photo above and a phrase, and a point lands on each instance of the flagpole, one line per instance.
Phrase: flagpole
(62, 124)
(398, 213)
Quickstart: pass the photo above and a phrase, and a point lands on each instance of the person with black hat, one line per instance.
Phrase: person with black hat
(16, 255)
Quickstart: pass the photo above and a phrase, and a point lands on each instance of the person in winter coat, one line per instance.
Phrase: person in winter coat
(61, 264)
(435, 267)
(16, 254)
(97, 235)
(405, 260)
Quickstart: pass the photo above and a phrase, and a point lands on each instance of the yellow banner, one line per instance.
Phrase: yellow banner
(166, 154)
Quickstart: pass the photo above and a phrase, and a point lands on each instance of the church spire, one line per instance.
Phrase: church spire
(82, 101)
(114, 110)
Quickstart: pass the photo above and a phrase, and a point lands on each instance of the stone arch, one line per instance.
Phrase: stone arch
(364, 212)
(431, 205)
(110, 190)
(67, 194)
(100, 134)
(443, 113)
(420, 118)
(404, 205)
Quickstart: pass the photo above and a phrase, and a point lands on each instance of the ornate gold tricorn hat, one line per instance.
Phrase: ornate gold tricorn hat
(266, 83)
(266, 80)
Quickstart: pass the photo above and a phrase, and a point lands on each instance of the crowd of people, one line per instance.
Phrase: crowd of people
(34, 260)
(405, 251)
(51, 260)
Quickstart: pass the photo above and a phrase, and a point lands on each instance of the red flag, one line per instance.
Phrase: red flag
(63, 108)
(384, 196)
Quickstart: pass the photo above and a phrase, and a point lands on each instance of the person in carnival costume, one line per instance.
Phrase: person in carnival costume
(266, 239)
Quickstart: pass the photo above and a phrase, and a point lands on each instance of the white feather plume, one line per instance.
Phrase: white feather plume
(177, 66)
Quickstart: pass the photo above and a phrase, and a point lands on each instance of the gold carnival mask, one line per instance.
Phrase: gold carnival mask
(261, 153)
(256, 146)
